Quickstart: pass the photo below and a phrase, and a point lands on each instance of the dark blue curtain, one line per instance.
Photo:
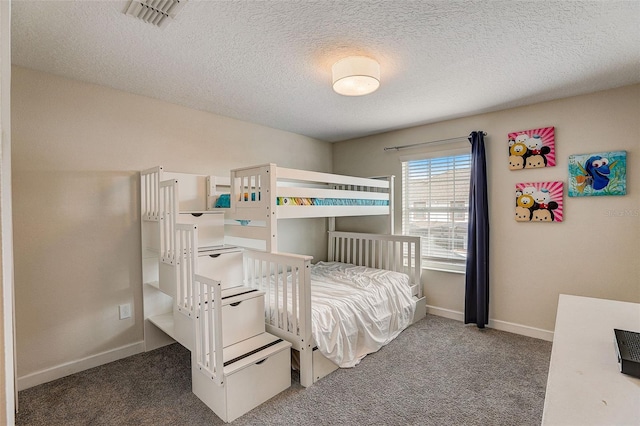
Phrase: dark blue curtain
(476, 299)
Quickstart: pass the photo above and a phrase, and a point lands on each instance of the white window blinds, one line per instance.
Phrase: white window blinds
(435, 205)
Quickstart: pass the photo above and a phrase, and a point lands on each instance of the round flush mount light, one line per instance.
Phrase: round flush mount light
(355, 76)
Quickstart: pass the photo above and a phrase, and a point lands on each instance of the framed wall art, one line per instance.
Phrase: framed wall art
(600, 173)
(532, 149)
(539, 202)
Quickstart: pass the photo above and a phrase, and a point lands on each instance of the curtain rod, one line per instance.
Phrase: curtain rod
(397, 148)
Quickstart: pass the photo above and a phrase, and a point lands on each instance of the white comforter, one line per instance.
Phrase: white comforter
(356, 310)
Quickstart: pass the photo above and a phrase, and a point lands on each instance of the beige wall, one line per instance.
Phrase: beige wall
(594, 252)
(7, 394)
(77, 152)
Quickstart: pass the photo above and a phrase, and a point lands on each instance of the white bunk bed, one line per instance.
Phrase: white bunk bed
(259, 196)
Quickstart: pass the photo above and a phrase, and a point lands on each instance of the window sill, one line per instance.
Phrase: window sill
(452, 271)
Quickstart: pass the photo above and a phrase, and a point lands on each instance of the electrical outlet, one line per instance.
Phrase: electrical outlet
(125, 311)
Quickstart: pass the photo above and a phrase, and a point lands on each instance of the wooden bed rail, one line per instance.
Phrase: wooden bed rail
(187, 250)
(209, 357)
(150, 188)
(252, 188)
(286, 281)
(400, 253)
(168, 216)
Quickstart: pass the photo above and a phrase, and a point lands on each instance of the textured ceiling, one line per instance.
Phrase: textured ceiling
(269, 62)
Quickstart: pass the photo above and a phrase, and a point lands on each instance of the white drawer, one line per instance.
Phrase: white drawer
(255, 384)
(225, 267)
(210, 227)
(255, 370)
(242, 317)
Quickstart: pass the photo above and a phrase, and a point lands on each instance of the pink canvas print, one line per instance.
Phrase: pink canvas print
(531, 149)
(539, 202)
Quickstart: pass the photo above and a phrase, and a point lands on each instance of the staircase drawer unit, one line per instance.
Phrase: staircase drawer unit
(194, 294)
(255, 370)
(242, 314)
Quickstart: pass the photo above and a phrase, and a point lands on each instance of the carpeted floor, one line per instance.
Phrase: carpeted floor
(437, 372)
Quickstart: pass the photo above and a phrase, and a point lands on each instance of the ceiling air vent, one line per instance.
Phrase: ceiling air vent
(155, 12)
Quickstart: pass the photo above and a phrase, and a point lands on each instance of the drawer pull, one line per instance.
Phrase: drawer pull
(261, 361)
(235, 303)
(196, 214)
(215, 255)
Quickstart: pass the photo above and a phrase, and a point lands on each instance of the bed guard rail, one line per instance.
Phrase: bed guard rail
(150, 187)
(168, 216)
(187, 250)
(286, 282)
(209, 353)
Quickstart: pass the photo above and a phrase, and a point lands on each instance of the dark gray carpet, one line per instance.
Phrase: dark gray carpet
(437, 372)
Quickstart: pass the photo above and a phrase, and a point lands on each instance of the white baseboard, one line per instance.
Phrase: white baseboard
(523, 330)
(447, 313)
(68, 368)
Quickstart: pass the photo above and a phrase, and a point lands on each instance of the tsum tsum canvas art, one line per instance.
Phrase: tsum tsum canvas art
(532, 149)
(539, 202)
(601, 173)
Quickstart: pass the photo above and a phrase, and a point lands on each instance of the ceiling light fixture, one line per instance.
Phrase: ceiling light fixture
(355, 76)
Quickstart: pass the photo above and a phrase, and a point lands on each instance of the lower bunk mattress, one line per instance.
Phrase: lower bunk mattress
(356, 310)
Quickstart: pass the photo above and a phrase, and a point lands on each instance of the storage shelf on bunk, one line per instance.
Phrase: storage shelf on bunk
(165, 323)
(155, 284)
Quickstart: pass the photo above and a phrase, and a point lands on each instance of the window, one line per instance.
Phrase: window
(435, 206)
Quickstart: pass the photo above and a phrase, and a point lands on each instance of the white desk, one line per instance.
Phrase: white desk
(585, 386)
